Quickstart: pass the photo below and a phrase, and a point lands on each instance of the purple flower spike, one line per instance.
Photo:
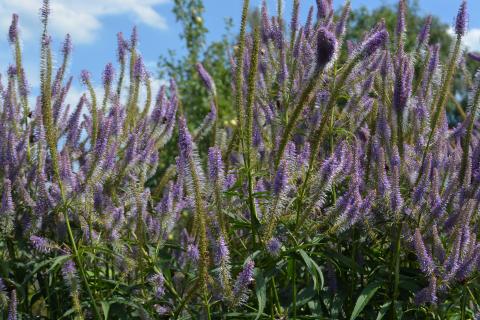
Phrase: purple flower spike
(46, 40)
(7, 202)
(433, 63)
(294, 20)
(403, 84)
(193, 253)
(281, 179)
(342, 22)
(12, 70)
(13, 31)
(122, 47)
(12, 308)
(134, 37)
(475, 56)
(461, 21)
(157, 281)
(424, 34)
(266, 27)
(326, 47)
(85, 76)
(67, 45)
(274, 246)
(108, 74)
(374, 42)
(424, 259)
(40, 244)
(401, 27)
(223, 254)
(215, 164)
(428, 294)
(69, 272)
(206, 78)
(184, 139)
(69, 269)
(139, 69)
(45, 11)
(323, 9)
(244, 278)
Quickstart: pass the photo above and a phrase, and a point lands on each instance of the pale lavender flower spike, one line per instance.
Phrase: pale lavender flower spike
(424, 258)
(40, 244)
(85, 76)
(7, 202)
(122, 47)
(274, 246)
(185, 139)
(244, 278)
(280, 181)
(12, 308)
(206, 78)
(157, 281)
(374, 42)
(223, 253)
(139, 69)
(215, 164)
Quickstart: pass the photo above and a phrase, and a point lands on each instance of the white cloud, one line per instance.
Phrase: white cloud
(471, 40)
(80, 18)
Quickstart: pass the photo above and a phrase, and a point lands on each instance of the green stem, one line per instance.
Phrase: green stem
(396, 266)
(294, 284)
(202, 220)
(239, 68)
(80, 266)
(277, 300)
(121, 76)
(249, 131)
(207, 306)
(305, 97)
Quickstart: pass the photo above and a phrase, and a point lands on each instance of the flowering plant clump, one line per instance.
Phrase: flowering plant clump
(339, 192)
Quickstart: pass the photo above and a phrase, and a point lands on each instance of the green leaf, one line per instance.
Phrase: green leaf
(383, 310)
(364, 298)
(105, 308)
(313, 269)
(261, 292)
(315, 307)
(58, 261)
(305, 295)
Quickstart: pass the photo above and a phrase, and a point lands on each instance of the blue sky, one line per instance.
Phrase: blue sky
(93, 25)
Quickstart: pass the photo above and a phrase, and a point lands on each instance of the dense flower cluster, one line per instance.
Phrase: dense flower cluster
(340, 149)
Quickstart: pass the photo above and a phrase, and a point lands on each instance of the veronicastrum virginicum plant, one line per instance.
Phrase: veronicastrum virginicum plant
(341, 192)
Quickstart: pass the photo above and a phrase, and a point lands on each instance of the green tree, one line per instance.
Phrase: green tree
(214, 57)
(364, 19)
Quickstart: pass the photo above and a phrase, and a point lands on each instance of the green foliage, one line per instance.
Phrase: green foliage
(214, 57)
(363, 19)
